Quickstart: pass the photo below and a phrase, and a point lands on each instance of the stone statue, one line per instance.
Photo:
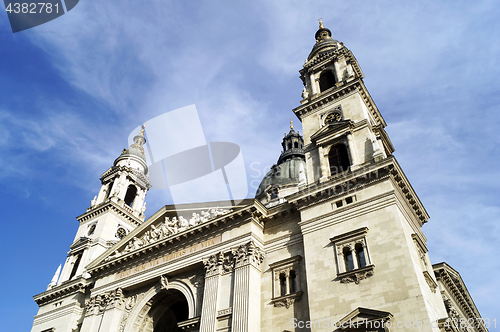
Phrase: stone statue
(183, 223)
(92, 202)
(143, 209)
(155, 233)
(171, 225)
(305, 94)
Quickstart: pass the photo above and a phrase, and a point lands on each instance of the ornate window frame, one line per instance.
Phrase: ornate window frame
(284, 268)
(348, 242)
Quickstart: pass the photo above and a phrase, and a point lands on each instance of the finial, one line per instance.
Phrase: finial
(143, 127)
(291, 124)
(321, 26)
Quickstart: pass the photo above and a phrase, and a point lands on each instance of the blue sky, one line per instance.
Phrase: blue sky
(73, 89)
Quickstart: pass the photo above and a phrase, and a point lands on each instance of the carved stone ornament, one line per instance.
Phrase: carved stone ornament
(99, 303)
(288, 300)
(212, 264)
(356, 275)
(164, 282)
(248, 254)
(167, 228)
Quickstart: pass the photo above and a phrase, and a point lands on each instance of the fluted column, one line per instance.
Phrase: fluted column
(246, 296)
(212, 277)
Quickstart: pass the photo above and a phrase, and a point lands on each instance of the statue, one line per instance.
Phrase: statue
(171, 225)
(305, 94)
(143, 209)
(92, 202)
(195, 220)
(146, 238)
(183, 223)
(155, 233)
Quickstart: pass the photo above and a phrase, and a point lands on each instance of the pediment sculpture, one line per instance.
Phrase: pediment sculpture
(168, 227)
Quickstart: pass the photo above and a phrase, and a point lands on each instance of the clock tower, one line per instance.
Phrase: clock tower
(343, 129)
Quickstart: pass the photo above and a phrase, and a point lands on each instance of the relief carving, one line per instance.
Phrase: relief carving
(168, 227)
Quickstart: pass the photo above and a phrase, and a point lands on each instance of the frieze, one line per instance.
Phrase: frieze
(169, 257)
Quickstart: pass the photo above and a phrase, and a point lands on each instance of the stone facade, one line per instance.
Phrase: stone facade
(337, 245)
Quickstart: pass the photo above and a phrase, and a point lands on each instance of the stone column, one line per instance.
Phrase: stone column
(354, 258)
(353, 151)
(313, 85)
(323, 165)
(209, 309)
(246, 296)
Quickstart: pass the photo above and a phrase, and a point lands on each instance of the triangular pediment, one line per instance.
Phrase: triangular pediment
(169, 223)
(331, 130)
(360, 317)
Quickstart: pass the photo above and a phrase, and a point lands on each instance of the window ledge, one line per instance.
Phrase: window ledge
(287, 300)
(356, 275)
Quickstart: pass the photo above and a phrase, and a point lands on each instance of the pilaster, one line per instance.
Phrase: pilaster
(213, 267)
(247, 276)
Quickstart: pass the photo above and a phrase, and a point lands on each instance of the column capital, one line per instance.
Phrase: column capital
(248, 254)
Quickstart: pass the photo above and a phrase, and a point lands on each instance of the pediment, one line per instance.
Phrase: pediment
(360, 316)
(169, 223)
(331, 130)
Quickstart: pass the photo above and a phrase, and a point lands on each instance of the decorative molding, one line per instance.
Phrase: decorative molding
(66, 288)
(356, 275)
(248, 254)
(225, 312)
(192, 324)
(287, 300)
(100, 303)
(432, 284)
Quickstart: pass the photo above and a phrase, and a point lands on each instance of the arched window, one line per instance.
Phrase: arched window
(360, 255)
(338, 158)
(349, 264)
(289, 146)
(293, 282)
(296, 145)
(326, 81)
(282, 284)
(108, 190)
(130, 195)
(75, 266)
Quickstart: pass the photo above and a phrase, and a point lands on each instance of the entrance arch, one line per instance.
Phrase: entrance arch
(161, 309)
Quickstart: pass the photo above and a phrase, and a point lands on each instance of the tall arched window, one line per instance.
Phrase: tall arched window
(296, 145)
(349, 264)
(282, 284)
(338, 158)
(326, 81)
(130, 195)
(293, 282)
(75, 266)
(108, 190)
(360, 255)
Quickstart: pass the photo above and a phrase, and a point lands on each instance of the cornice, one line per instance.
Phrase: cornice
(138, 177)
(338, 93)
(453, 281)
(363, 177)
(66, 288)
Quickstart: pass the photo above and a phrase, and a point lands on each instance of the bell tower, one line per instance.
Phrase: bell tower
(117, 209)
(343, 129)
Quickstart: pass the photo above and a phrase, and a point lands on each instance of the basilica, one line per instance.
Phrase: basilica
(332, 240)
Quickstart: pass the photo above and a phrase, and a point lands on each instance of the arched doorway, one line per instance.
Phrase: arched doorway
(163, 312)
(169, 309)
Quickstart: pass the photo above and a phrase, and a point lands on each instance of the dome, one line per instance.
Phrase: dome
(284, 177)
(286, 173)
(324, 41)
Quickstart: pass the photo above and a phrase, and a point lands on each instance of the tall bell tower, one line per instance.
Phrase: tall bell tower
(117, 209)
(343, 129)
(114, 212)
